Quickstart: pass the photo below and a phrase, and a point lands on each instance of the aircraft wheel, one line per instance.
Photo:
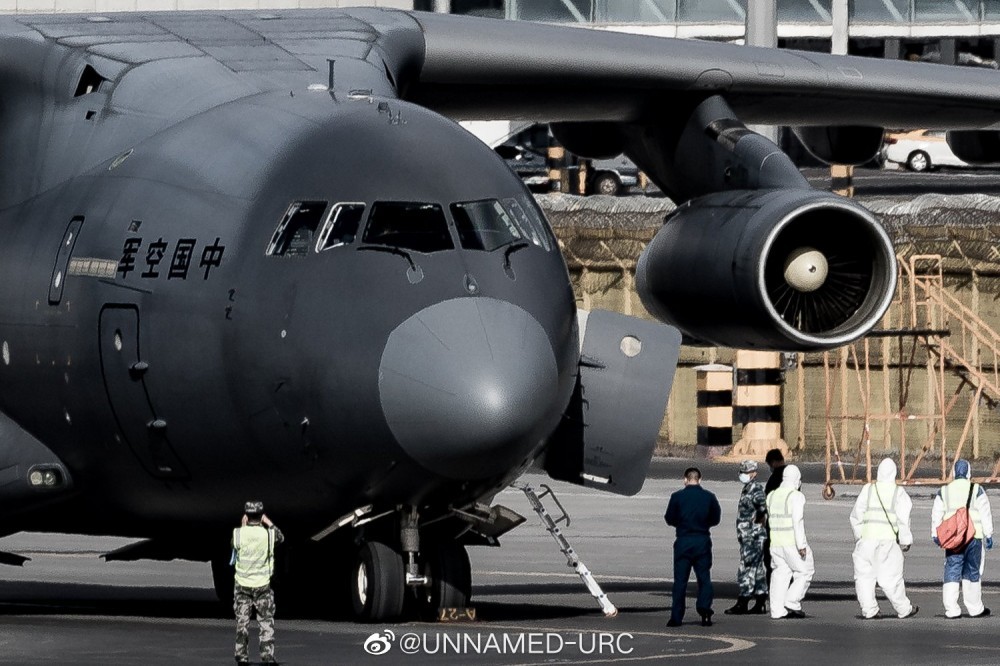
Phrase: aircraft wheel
(829, 492)
(378, 583)
(447, 566)
(918, 161)
(606, 183)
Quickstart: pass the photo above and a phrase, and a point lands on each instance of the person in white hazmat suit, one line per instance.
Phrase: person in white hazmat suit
(964, 565)
(881, 524)
(791, 556)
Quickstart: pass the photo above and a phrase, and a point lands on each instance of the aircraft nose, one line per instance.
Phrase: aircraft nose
(467, 385)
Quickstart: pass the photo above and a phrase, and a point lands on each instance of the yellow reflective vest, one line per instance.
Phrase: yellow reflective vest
(254, 548)
(779, 517)
(955, 495)
(880, 522)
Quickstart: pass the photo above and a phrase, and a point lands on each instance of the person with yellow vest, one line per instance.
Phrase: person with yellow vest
(964, 565)
(253, 555)
(791, 555)
(881, 524)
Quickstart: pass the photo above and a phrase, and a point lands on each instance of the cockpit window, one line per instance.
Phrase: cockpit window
(341, 225)
(484, 225)
(530, 221)
(294, 234)
(420, 227)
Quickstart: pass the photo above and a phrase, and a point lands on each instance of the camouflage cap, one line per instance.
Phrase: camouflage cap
(748, 466)
(253, 507)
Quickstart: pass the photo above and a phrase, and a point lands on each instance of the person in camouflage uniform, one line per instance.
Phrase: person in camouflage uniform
(253, 555)
(751, 530)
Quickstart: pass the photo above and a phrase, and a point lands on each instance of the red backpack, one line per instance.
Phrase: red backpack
(958, 530)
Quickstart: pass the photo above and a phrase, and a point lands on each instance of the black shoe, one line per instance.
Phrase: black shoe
(706, 620)
(876, 616)
(986, 612)
(740, 608)
(912, 612)
(760, 605)
(794, 614)
(242, 662)
(673, 623)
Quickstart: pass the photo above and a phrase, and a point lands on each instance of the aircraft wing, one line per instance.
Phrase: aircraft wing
(475, 68)
(471, 67)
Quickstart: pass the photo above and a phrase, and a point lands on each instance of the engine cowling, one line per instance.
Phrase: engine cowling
(787, 270)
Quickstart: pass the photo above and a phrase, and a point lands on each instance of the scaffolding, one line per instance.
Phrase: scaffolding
(928, 335)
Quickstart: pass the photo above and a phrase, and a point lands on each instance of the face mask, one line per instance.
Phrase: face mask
(744, 478)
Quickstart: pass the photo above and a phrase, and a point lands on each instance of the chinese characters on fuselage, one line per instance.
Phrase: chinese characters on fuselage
(180, 259)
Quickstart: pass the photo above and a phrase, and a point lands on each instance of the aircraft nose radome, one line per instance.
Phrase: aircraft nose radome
(466, 386)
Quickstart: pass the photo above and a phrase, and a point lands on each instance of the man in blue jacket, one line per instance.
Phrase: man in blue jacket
(692, 511)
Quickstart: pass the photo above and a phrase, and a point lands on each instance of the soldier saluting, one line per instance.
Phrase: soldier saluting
(253, 555)
(751, 531)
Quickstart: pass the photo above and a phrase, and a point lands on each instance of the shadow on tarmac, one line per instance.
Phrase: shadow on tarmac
(41, 599)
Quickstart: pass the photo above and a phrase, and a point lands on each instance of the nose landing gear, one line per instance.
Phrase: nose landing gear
(420, 574)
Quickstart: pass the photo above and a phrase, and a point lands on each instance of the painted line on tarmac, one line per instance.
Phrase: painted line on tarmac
(733, 644)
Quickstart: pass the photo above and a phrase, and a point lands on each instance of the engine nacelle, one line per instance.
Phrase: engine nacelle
(787, 270)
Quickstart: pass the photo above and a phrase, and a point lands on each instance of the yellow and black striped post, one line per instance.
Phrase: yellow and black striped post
(842, 180)
(715, 408)
(557, 165)
(759, 377)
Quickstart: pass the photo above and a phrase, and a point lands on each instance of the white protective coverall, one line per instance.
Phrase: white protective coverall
(792, 571)
(965, 566)
(881, 511)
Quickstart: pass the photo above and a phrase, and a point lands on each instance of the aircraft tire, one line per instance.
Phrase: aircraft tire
(378, 583)
(451, 577)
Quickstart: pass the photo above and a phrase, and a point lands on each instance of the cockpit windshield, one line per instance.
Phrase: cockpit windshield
(484, 225)
(295, 232)
(420, 227)
(341, 225)
(529, 220)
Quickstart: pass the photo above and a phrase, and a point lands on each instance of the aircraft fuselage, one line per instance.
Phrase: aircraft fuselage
(177, 369)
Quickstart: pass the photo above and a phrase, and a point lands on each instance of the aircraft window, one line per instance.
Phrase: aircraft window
(420, 227)
(530, 221)
(295, 232)
(341, 225)
(484, 225)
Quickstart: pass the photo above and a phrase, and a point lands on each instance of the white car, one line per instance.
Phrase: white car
(921, 150)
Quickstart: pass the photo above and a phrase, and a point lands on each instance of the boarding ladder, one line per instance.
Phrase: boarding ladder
(552, 526)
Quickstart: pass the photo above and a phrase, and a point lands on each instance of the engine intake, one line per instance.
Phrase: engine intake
(788, 270)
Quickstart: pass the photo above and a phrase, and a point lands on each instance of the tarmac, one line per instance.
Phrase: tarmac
(68, 606)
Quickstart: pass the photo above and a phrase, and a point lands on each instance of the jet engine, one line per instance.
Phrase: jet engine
(788, 270)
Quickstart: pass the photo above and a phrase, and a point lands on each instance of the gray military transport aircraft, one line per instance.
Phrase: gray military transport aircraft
(252, 255)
